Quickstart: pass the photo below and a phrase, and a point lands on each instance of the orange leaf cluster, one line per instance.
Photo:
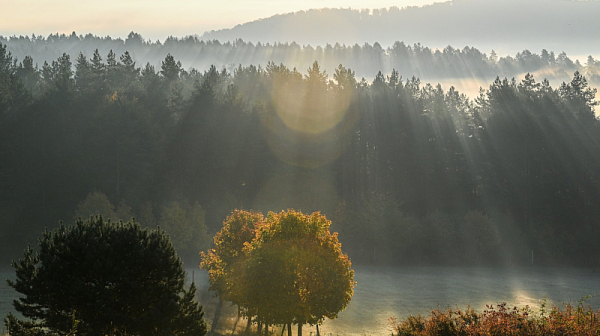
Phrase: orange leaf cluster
(282, 269)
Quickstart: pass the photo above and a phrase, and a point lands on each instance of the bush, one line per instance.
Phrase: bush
(102, 278)
(501, 320)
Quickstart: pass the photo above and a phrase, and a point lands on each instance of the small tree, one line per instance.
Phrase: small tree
(95, 204)
(186, 226)
(296, 271)
(286, 269)
(106, 279)
(224, 260)
(98, 204)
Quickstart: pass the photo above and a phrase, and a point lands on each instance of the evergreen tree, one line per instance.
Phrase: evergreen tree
(110, 278)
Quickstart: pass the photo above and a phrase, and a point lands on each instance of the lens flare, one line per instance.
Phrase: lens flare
(305, 129)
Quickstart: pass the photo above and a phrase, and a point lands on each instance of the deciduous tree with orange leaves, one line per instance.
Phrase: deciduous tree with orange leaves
(225, 259)
(293, 270)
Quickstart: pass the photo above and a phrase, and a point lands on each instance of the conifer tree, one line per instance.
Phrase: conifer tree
(112, 279)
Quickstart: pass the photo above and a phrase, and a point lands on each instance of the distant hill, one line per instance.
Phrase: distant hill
(507, 26)
(415, 41)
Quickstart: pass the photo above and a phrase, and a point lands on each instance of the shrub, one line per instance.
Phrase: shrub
(501, 320)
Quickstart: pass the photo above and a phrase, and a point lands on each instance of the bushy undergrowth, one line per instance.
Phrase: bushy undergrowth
(502, 320)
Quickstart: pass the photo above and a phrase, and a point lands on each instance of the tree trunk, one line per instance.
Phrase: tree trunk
(217, 316)
(299, 329)
(318, 333)
(236, 321)
(282, 330)
(249, 324)
(290, 329)
(260, 325)
(266, 329)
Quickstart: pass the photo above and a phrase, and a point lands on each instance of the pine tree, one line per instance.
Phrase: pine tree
(113, 279)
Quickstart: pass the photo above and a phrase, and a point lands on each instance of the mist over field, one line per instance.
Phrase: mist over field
(453, 146)
(385, 292)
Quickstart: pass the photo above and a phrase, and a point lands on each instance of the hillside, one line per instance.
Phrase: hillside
(507, 26)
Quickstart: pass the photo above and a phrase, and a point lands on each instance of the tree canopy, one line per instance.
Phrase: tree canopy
(384, 159)
(225, 257)
(104, 278)
(287, 269)
(417, 59)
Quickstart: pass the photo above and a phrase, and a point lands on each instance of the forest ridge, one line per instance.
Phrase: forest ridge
(408, 173)
(452, 66)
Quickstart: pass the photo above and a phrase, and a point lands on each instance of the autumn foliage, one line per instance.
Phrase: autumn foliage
(502, 320)
(286, 268)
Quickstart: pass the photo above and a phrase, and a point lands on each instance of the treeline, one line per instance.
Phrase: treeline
(366, 60)
(408, 173)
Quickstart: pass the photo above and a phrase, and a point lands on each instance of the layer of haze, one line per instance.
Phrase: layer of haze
(507, 26)
(156, 19)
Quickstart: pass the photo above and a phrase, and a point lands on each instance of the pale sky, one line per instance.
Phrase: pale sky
(155, 19)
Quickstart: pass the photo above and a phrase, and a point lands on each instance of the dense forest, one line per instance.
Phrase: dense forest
(409, 173)
(427, 63)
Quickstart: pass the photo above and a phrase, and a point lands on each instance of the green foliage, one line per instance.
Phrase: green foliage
(402, 157)
(17, 327)
(186, 226)
(287, 269)
(225, 259)
(315, 279)
(373, 227)
(14, 97)
(146, 214)
(170, 68)
(96, 204)
(366, 59)
(102, 278)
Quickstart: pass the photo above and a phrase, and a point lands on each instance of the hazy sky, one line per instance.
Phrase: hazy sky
(156, 19)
